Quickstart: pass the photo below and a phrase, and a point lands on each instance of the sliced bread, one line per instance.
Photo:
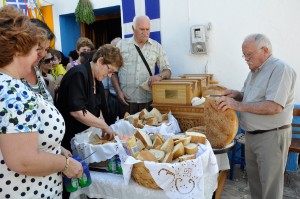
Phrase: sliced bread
(145, 155)
(133, 119)
(140, 145)
(144, 137)
(187, 157)
(159, 154)
(168, 145)
(157, 143)
(144, 114)
(178, 150)
(196, 137)
(191, 148)
(156, 114)
(168, 157)
(185, 141)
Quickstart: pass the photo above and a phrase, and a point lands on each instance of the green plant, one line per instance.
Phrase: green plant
(84, 12)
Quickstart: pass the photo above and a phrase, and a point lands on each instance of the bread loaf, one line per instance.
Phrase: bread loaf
(178, 150)
(126, 115)
(186, 157)
(140, 145)
(221, 127)
(133, 119)
(185, 141)
(168, 145)
(152, 121)
(159, 154)
(168, 157)
(157, 143)
(196, 137)
(144, 114)
(145, 155)
(191, 148)
(165, 117)
(144, 137)
(156, 114)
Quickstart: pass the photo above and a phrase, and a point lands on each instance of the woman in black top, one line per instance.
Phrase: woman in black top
(81, 98)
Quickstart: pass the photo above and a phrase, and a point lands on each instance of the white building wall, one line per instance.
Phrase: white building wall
(232, 21)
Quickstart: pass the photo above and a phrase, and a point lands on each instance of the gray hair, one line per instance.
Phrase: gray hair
(137, 17)
(260, 40)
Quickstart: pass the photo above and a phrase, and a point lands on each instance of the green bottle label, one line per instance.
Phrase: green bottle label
(74, 182)
(83, 180)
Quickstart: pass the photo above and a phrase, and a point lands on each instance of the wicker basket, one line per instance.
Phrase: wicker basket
(142, 176)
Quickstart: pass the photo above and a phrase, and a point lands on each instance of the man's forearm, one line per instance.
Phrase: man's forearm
(260, 108)
(115, 82)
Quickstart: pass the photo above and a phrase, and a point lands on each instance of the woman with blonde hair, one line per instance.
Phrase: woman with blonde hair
(31, 128)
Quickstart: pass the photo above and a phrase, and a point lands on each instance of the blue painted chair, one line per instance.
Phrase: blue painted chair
(237, 155)
(294, 150)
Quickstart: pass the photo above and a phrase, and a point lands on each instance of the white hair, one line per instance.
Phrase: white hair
(138, 17)
(261, 41)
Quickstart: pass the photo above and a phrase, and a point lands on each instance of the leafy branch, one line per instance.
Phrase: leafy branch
(84, 12)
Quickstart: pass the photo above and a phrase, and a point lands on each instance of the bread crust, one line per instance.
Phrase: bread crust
(221, 126)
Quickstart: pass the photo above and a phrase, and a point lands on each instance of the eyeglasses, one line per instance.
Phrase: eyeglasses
(110, 71)
(249, 55)
(47, 61)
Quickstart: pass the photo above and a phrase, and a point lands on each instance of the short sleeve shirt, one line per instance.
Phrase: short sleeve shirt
(273, 81)
(22, 111)
(134, 72)
(58, 70)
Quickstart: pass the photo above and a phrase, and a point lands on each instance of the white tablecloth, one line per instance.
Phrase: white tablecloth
(111, 186)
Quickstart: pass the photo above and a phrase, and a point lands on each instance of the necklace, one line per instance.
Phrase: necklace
(93, 76)
(94, 86)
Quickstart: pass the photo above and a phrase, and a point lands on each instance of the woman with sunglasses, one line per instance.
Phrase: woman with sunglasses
(34, 80)
(45, 67)
(81, 98)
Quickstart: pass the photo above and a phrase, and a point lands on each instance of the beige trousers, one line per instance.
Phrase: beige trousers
(266, 156)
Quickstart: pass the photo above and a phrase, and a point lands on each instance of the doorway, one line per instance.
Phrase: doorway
(103, 30)
(107, 26)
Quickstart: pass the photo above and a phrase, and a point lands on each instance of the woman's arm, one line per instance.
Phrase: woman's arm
(89, 119)
(21, 154)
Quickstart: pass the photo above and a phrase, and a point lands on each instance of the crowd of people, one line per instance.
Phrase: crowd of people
(44, 103)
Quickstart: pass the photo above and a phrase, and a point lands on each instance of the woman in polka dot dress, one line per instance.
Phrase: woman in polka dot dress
(31, 129)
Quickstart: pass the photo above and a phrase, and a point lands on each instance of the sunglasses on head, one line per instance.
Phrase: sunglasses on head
(47, 61)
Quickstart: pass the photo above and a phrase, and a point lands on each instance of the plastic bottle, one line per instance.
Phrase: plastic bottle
(111, 167)
(72, 184)
(118, 165)
(86, 179)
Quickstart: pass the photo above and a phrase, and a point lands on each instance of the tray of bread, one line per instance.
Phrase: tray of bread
(89, 141)
(154, 122)
(175, 164)
(152, 118)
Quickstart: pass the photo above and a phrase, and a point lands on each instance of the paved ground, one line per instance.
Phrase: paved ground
(238, 188)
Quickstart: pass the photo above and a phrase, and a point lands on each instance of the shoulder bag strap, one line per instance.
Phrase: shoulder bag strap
(143, 58)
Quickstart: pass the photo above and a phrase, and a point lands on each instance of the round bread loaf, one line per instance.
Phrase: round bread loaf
(221, 127)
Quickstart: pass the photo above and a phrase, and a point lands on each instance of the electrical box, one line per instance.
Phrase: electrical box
(198, 39)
